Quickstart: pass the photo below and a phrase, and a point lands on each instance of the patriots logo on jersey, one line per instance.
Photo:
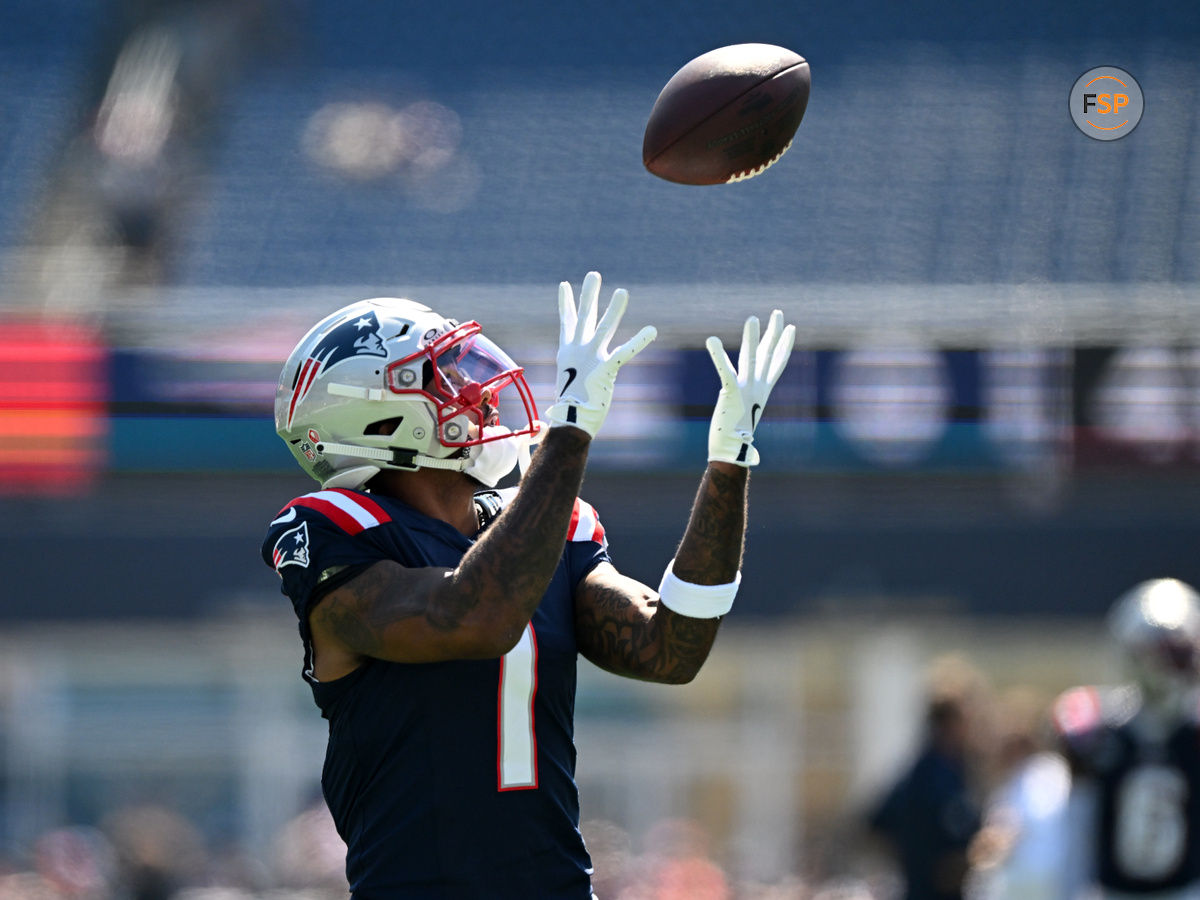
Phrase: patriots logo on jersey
(356, 337)
(292, 548)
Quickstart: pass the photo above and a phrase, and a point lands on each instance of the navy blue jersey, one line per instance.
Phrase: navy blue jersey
(929, 817)
(451, 779)
(1146, 834)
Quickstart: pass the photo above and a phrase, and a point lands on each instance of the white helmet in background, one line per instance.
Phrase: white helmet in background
(1156, 624)
(390, 384)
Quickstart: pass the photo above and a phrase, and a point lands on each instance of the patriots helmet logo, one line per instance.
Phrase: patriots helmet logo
(357, 336)
(292, 548)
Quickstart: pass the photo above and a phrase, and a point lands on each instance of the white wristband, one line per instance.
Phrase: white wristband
(697, 601)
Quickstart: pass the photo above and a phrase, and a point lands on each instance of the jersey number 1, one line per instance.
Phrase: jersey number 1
(516, 763)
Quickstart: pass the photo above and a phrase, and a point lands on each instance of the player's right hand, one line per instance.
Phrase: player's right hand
(587, 369)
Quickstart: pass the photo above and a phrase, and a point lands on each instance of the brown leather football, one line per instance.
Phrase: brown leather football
(727, 115)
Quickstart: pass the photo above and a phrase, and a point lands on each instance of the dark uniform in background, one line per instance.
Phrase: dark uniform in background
(929, 816)
(1133, 814)
(1139, 787)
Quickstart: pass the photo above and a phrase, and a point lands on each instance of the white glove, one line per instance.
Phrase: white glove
(744, 392)
(587, 370)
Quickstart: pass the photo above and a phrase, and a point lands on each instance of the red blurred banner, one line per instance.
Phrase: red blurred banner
(53, 391)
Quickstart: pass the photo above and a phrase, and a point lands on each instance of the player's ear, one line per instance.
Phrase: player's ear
(384, 426)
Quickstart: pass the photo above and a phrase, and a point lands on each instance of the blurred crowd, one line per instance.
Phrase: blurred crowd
(155, 853)
(977, 813)
(987, 801)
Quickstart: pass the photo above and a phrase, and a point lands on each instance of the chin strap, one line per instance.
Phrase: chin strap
(487, 463)
(393, 456)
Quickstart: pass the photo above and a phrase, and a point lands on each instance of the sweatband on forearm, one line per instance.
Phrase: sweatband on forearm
(697, 601)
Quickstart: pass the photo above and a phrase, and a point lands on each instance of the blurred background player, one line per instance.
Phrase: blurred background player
(932, 812)
(441, 623)
(1134, 751)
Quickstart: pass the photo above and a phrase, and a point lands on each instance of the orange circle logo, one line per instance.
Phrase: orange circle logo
(1106, 103)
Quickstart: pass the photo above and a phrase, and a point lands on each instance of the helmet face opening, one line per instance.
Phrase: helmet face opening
(462, 373)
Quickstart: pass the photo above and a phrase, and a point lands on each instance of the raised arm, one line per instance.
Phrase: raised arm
(479, 609)
(665, 636)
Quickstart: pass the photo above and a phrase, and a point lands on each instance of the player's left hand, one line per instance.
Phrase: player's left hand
(744, 392)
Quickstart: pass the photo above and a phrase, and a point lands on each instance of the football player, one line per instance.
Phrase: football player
(1133, 815)
(442, 618)
(927, 817)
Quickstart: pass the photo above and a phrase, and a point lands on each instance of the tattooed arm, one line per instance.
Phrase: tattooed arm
(625, 627)
(475, 611)
(620, 624)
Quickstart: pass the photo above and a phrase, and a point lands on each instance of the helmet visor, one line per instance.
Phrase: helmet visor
(464, 373)
(473, 361)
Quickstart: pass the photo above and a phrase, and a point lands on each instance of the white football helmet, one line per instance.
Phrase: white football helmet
(389, 384)
(1156, 625)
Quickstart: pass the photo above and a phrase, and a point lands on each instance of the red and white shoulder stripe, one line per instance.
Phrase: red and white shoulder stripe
(585, 524)
(350, 511)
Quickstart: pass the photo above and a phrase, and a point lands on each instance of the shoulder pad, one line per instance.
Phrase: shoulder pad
(585, 524)
(488, 504)
(1080, 710)
(351, 511)
(1076, 711)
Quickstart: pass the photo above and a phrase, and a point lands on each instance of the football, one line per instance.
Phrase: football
(727, 115)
